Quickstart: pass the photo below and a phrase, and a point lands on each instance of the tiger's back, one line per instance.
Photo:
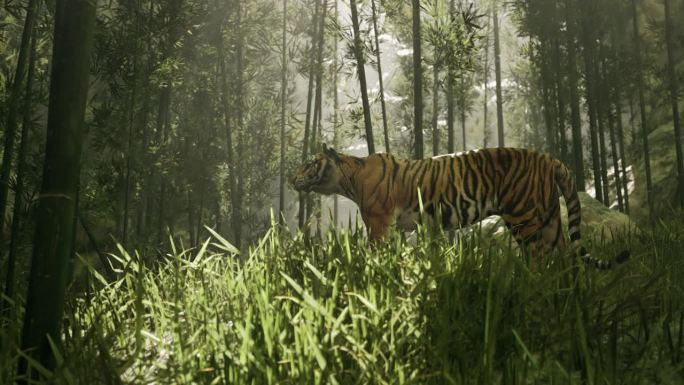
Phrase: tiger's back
(461, 189)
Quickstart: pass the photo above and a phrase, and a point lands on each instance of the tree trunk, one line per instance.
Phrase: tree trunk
(133, 11)
(162, 225)
(12, 111)
(497, 69)
(107, 269)
(614, 155)
(548, 94)
(601, 95)
(632, 124)
(450, 93)
(674, 93)
(607, 97)
(128, 154)
(239, 112)
(218, 219)
(485, 114)
(17, 210)
(588, 54)
(150, 185)
(283, 101)
(560, 103)
(380, 80)
(620, 137)
(417, 83)
(462, 108)
(557, 86)
(450, 111)
(200, 209)
(435, 108)
(191, 217)
(318, 106)
(575, 121)
(164, 113)
(313, 201)
(143, 116)
(56, 210)
(335, 108)
(642, 112)
(307, 122)
(361, 70)
(227, 126)
(163, 122)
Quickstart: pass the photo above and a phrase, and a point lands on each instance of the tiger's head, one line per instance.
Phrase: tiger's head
(321, 175)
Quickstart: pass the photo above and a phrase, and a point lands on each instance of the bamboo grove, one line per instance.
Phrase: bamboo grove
(611, 67)
(133, 122)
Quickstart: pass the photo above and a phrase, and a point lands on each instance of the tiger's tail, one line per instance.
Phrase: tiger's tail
(566, 183)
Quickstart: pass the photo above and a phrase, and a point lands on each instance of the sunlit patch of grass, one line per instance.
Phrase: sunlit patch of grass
(297, 309)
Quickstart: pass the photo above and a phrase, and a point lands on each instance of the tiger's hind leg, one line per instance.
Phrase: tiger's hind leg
(552, 229)
(543, 233)
(529, 236)
(546, 234)
(532, 238)
(552, 232)
(538, 237)
(377, 224)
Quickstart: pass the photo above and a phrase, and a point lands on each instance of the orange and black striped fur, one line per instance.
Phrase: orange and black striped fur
(522, 186)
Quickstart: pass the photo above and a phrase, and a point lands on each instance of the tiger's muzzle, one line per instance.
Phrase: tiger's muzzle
(302, 183)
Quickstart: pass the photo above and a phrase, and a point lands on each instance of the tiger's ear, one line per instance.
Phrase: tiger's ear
(330, 152)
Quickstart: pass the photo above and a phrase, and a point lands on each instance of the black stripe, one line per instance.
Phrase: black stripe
(473, 178)
(421, 179)
(430, 209)
(434, 177)
(548, 219)
(469, 179)
(487, 175)
(395, 169)
(575, 222)
(446, 215)
(534, 237)
(408, 172)
(465, 218)
(422, 172)
(382, 176)
(519, 176)
(449, 188)
(557, 236)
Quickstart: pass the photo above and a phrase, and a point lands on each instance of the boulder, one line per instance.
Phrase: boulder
(598, 221)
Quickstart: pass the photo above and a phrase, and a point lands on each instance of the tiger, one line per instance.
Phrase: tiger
(456, 190)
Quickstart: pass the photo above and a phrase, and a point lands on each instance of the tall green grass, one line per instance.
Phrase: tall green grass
(336, 311)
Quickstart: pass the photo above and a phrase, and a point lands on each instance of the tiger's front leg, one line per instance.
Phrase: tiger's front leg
(378, 225)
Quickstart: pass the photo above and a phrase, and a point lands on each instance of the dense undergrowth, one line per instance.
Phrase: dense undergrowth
(296, 311)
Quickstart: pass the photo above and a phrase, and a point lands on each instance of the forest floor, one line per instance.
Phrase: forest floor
(296, 311)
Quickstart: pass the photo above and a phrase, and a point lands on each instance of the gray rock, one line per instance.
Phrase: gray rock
(598, 220)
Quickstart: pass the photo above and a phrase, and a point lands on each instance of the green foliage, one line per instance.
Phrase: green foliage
(664, 178)
(297, 310)
(453, 35)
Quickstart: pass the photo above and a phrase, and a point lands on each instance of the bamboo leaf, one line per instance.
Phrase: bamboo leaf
(223, 243)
